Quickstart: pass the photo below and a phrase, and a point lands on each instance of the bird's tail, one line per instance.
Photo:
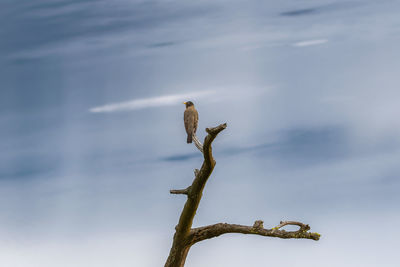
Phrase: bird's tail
(189, 138)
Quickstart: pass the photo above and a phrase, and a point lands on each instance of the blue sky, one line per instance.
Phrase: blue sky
(93, 138)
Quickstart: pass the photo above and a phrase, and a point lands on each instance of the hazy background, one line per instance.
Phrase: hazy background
(92, 135)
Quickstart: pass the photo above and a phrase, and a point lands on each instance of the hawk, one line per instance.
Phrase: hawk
(190, 118)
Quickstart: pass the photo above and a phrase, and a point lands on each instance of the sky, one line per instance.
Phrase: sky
(92, 135)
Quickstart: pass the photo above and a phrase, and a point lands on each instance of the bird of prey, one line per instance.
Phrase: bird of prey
(190, 118)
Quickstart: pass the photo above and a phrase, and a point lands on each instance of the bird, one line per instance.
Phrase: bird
(190, 118)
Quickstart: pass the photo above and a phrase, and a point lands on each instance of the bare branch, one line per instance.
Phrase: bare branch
(186, 190)
(197, 143)
(303, 227)
(180, 191)
(210, 231)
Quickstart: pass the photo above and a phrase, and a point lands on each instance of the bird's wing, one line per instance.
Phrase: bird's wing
(196, 120)
(188, 118)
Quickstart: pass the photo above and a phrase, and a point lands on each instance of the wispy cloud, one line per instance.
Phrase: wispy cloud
(166, 100)
(310, 42)
(299, 12)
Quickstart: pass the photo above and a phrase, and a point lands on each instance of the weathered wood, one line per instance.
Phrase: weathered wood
(180, 247)
(197, 143)
(210, 231)
(185, 236)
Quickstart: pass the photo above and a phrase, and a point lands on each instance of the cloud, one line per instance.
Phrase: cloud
(182, 157)
(299, 12)
(319, 9)
(167, 100)
(86, 25)
(161, 44)
(297, 146)
(310, 42)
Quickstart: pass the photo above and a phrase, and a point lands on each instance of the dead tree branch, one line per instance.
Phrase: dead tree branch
(197, 143)
(210, 231)
(185, 236)
(180, 191)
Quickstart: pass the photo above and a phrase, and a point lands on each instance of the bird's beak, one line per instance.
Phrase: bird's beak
(184, 103)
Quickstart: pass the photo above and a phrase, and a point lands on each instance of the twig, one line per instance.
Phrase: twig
(180, 191)
(197, 143)
(303, 227)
